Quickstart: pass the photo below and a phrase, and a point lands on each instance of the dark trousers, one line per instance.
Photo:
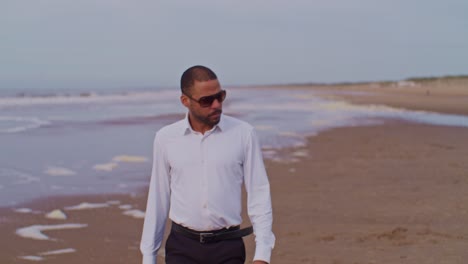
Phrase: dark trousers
(184, 250)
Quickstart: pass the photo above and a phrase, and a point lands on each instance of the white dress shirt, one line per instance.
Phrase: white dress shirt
(197, 178)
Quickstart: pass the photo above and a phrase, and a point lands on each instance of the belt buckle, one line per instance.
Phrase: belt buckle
(204, 236)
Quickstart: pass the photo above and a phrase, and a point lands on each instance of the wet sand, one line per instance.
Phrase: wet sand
(393, 193)
(396, 193)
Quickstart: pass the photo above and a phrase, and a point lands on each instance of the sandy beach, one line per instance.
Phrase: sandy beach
(443, 95)
(390, 193)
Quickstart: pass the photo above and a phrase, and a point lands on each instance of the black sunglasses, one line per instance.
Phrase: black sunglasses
(207, 101)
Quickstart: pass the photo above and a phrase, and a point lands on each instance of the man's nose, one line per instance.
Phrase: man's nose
(216, 104)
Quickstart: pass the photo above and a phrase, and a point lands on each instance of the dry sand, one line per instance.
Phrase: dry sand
(394, 193)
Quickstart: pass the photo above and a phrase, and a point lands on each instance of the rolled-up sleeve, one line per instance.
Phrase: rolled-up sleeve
(157, 206)
(258, 198)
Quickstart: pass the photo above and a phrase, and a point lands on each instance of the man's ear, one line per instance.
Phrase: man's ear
(184, 100)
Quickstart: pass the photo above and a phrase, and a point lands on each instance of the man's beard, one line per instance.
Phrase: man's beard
(207, 120)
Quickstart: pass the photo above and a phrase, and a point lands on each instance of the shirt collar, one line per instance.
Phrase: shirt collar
(187, 128)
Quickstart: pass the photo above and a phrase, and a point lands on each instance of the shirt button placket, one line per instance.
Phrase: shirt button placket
(204, 176)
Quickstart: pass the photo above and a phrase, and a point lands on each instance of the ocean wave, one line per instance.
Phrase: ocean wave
(18, 177)
(59, 171)
(14, 124)
(85, 98)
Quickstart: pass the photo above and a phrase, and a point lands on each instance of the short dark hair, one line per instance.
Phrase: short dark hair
(195, 73)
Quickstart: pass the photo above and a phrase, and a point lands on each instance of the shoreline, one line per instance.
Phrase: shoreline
(442, 95)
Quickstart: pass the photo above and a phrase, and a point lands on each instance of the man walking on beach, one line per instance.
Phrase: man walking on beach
(199, 166)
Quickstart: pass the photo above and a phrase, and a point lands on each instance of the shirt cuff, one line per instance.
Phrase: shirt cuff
(263, 253)
(149, 259)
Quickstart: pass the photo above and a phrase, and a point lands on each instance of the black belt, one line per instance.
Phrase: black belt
(212, 236)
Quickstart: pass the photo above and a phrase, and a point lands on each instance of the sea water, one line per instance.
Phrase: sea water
(86, 142)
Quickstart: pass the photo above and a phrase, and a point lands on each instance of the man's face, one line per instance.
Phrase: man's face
(210, 115)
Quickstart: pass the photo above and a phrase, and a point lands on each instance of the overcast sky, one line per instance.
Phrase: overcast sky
(134, 43)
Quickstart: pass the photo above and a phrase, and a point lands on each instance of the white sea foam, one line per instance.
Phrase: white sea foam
(269, 153)
(19, 123)
(48, 253)
(56, 214)
(105, 167)
(135, 213)
(300, 153)
(31, 258)
(83, 206)
(113, 202)
(19, 177)
(58, 252)
(282, 158)
(59, 171)
(125, 207)
(127, 158)
(35, 231)
(24, 210)
(27, 179)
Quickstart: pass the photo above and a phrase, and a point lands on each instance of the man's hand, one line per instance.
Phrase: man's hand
(259, 262)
